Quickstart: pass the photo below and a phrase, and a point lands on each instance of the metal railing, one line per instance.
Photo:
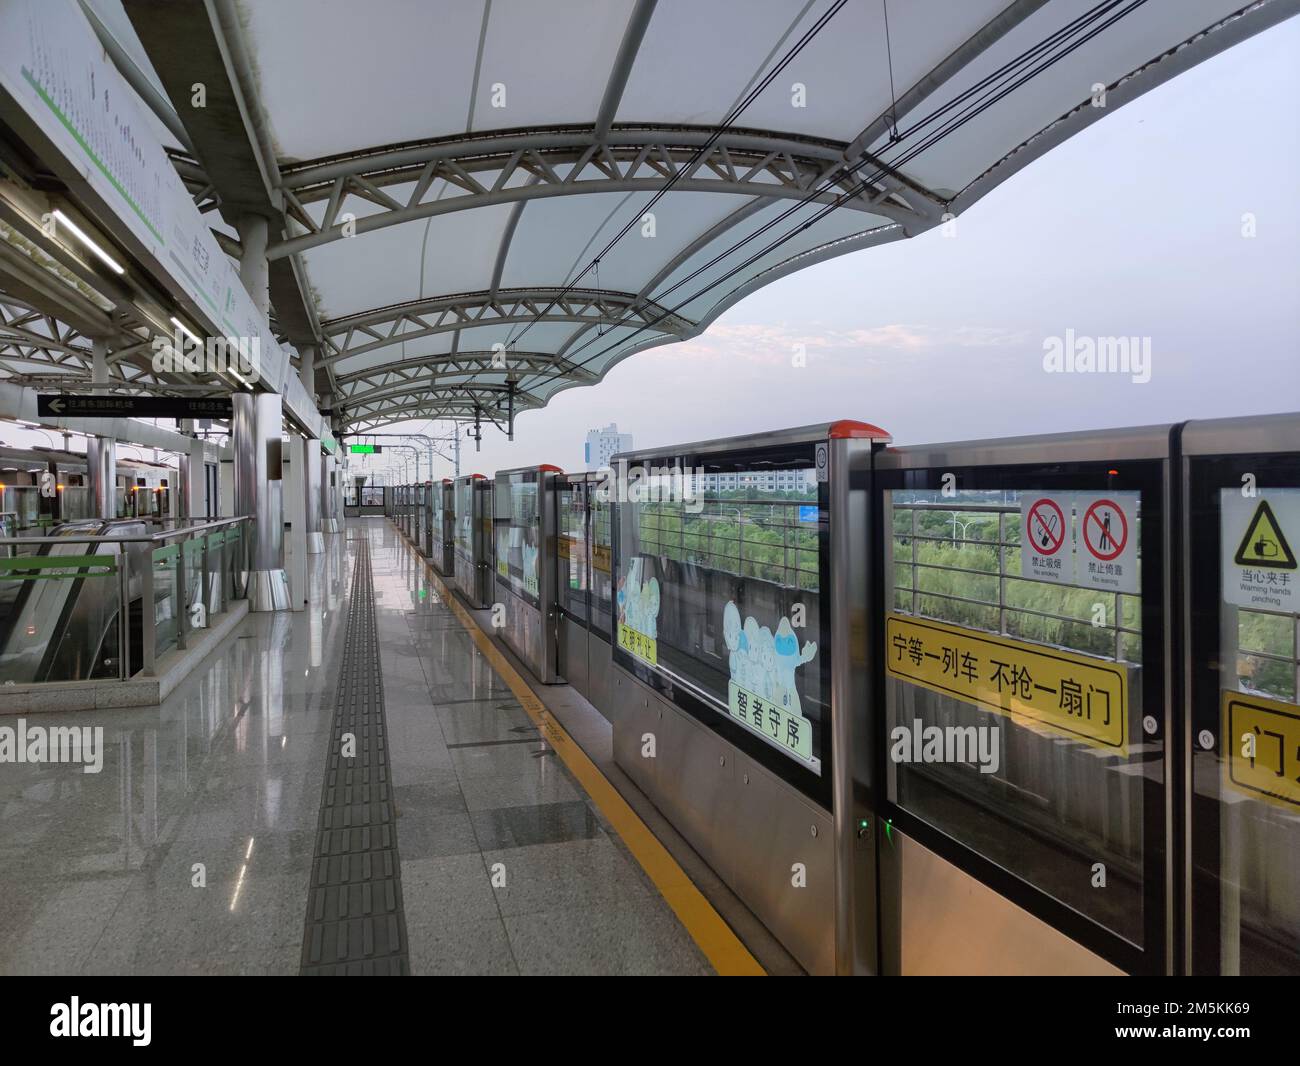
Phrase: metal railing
(749, 538)
(1001, 549)
(203, 563)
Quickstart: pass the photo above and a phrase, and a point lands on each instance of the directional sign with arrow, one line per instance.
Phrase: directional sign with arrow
(65, 406)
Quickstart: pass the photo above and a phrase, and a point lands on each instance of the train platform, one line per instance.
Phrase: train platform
(202, 845)
(872, 629)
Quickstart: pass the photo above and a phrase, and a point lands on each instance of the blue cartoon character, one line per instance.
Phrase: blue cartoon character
(789, 657)
(762, 663)
(732, 635)
(650, 608)
(628, 589)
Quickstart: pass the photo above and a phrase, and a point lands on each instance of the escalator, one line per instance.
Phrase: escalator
(63, 625)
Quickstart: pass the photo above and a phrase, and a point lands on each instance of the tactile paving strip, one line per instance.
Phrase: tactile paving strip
(355, 923)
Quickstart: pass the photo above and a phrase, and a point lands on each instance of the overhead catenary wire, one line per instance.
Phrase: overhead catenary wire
(998, 85)
(700, 153)
(958, 111)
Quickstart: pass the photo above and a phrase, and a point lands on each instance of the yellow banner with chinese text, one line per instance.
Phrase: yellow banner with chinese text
(1077, 695)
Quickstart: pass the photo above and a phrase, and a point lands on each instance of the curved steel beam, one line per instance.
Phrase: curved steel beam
(571, 160)
(624, 61)
(464, 410)
(416, 370)
(368, 331)
(490, 395)
(830, 250)
(439, 402)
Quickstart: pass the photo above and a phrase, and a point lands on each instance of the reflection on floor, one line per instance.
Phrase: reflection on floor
(191, 851)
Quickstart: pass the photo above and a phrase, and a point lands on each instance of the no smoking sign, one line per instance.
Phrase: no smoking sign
(1045, 553)
(1085, 539)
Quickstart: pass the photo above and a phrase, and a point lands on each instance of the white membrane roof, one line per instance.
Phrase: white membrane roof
(560, 184)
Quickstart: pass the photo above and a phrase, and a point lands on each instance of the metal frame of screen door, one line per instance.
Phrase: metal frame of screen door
(1208, 448)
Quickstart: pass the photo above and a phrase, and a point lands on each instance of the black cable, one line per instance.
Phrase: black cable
(975, 109)
(699, 154)
(735, 112)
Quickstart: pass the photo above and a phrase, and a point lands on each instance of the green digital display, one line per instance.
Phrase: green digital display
(365, 449)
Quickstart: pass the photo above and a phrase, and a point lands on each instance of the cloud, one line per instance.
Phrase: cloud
(765, 344)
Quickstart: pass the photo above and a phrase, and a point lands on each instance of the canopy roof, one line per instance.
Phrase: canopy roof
(478, 204)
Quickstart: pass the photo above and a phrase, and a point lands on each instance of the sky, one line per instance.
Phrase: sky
(1132, 228)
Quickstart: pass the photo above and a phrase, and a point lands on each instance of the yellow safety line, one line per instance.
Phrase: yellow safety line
(728, 956)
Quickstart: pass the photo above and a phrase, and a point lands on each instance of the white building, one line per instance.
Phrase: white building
(771, 481)
(602, 443)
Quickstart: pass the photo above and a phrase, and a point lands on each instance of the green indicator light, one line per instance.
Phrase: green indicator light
(361, 449)
(889, 829)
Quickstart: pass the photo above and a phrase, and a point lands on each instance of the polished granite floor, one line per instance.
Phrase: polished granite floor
(221, 784)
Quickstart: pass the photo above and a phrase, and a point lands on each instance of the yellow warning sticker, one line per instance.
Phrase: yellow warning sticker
(1076, 695)
(640, 645)
(1262, 748)
(1264, 543)
(1259, 535)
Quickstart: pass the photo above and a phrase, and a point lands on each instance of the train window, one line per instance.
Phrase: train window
(517, 530)
(720, 567)
(572, 551)
(1015, 647)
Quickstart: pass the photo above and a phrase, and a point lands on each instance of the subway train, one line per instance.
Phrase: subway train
(65, 625)
(143, 490)
(1003, 706)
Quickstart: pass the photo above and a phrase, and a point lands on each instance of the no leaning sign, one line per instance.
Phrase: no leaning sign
(1081, 538)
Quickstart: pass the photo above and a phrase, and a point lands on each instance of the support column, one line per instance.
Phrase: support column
(311, 491)
(185, 472)
(313, 468)
(190, 468)
(194, 487)
(295, 513)
(255, 438)
(101, 468)
(329, 483)
(254, 271)
(101, 452)
(307, 369)
(99, 365)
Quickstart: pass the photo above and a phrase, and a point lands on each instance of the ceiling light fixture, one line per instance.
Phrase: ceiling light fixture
(77, 232)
